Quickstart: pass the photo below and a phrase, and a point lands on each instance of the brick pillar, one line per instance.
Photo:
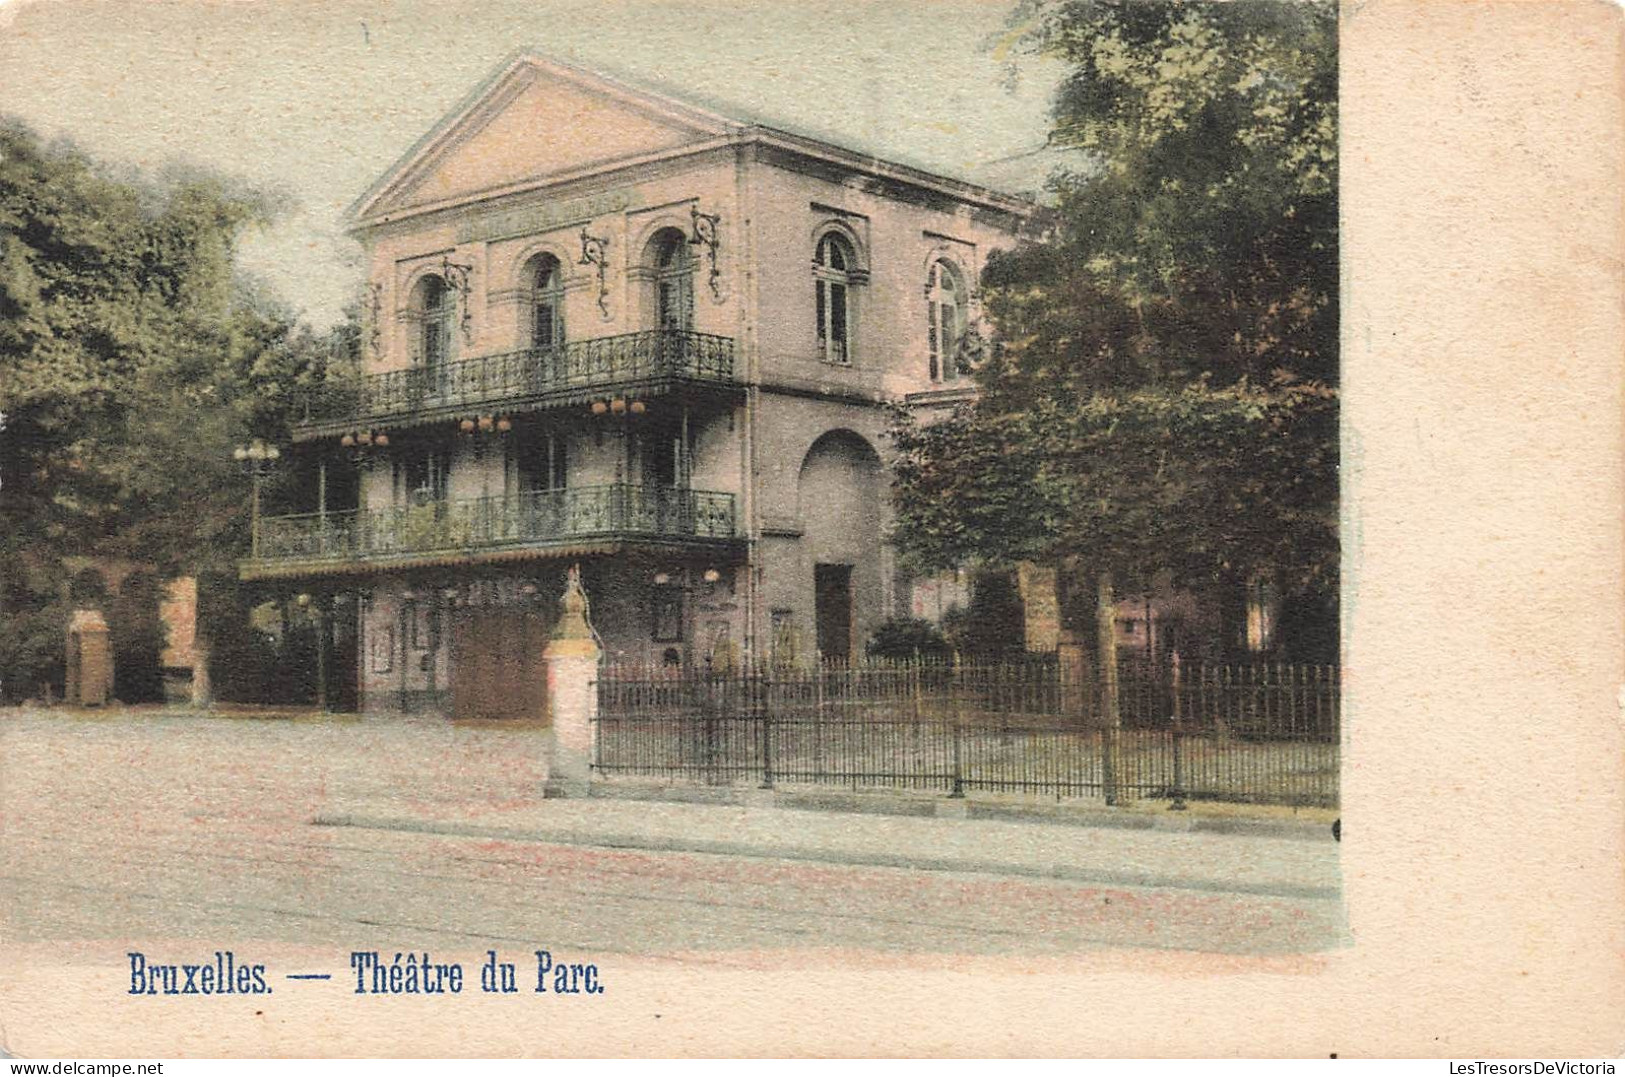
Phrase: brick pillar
(90, 660)
(572, 694)
(1072, 655)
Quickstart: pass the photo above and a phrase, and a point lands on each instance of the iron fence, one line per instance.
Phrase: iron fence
(535, 517)
(1259, 734)
(602, 363)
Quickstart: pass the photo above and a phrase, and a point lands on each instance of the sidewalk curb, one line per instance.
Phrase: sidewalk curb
(849, 858)
(1188, 822)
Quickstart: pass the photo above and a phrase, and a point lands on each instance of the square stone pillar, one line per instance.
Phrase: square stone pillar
(90, 660)
(571, 658)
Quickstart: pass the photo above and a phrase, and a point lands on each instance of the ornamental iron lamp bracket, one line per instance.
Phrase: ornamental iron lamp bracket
(705, 235)
(375, 316)
(595, 252)
(456, 276)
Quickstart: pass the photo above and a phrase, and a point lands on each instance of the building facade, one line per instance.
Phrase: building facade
(609, 328)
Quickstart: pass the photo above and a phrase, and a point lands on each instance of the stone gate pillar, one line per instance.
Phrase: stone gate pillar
(90, 660)
(571, 658)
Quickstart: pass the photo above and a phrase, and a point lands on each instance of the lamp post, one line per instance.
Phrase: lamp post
(256, 458)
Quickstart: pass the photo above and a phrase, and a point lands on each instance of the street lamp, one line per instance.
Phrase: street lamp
(256, 459)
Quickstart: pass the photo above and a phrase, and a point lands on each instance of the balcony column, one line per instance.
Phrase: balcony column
(684, 464)
(321, 505)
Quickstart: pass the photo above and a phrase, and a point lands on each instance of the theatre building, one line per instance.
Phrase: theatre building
(609, 328)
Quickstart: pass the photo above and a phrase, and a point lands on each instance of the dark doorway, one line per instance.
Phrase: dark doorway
(496, 664)
(833, 587)
(343, 655)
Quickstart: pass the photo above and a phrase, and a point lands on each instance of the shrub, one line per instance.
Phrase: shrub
(908, 638)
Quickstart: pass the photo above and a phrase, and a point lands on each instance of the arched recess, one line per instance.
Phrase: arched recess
(947, 302)
(430, 306)
(541, 294)
(839, 494)
(666, 272)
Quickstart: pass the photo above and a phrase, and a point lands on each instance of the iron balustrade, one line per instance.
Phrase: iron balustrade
(652, 355)
(533, 518)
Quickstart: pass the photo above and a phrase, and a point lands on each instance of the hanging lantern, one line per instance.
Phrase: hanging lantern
(711, 575)
(364, 438)
(466, 426)
(618, 406)
(639, 407)
(346, 441)
(485, 424)
(662, 579)
(599, 407)
(504, 425)
(381, 440)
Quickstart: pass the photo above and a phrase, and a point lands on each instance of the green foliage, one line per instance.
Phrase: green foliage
(992, 626)
(1198, 481)
(903, 639)
(1198, 236)
(138, 637)
(132, 360)
(1161, 396)
(32, 622)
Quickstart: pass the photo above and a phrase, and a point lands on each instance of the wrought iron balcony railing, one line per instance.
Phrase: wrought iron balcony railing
(531, 519)
(570, 369)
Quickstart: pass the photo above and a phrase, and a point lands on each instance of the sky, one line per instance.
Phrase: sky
(313, 100)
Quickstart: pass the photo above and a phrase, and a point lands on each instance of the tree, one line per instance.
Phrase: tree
(1197, 236)
(1160, 396)
(132, 360)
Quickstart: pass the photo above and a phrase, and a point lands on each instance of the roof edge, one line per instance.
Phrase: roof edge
(355, 213)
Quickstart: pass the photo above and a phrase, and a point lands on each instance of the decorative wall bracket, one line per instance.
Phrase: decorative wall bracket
(375, 317)
(595, 252)
(705, 235)
(456, 276)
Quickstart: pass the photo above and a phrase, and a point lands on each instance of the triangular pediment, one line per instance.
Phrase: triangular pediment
(533, 121)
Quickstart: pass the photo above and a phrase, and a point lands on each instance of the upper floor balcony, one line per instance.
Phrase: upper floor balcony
(487, 528)
(649, 362)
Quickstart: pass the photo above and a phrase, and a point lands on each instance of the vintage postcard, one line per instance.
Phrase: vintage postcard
(952, 527)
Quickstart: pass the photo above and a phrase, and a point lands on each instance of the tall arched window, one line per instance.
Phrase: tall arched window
(431, 306)
(945, 299)
(673, 281)
(546, 303)
(832, 280)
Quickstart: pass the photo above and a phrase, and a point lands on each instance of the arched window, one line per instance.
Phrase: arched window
(673, 281)
(832, 281)
(431, 307)
(945, 301)
(546, 303)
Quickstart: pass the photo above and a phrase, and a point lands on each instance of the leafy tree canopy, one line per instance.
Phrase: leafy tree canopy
(1161, 396)
(1198, 235)
(133, 359)
(1194, 481)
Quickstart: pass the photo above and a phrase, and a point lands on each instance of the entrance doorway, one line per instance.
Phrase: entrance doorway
(832, 586)
(497, 670)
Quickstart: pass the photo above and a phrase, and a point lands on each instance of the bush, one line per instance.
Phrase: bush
(908, 638)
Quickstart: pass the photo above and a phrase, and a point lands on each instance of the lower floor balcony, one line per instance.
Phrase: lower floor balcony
(584, 519)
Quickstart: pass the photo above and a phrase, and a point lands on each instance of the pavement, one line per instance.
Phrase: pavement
(1294, 858)
(484, 781)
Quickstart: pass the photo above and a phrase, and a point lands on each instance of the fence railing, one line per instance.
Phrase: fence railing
(536, 517)
(1261, 734)
(601, 363)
